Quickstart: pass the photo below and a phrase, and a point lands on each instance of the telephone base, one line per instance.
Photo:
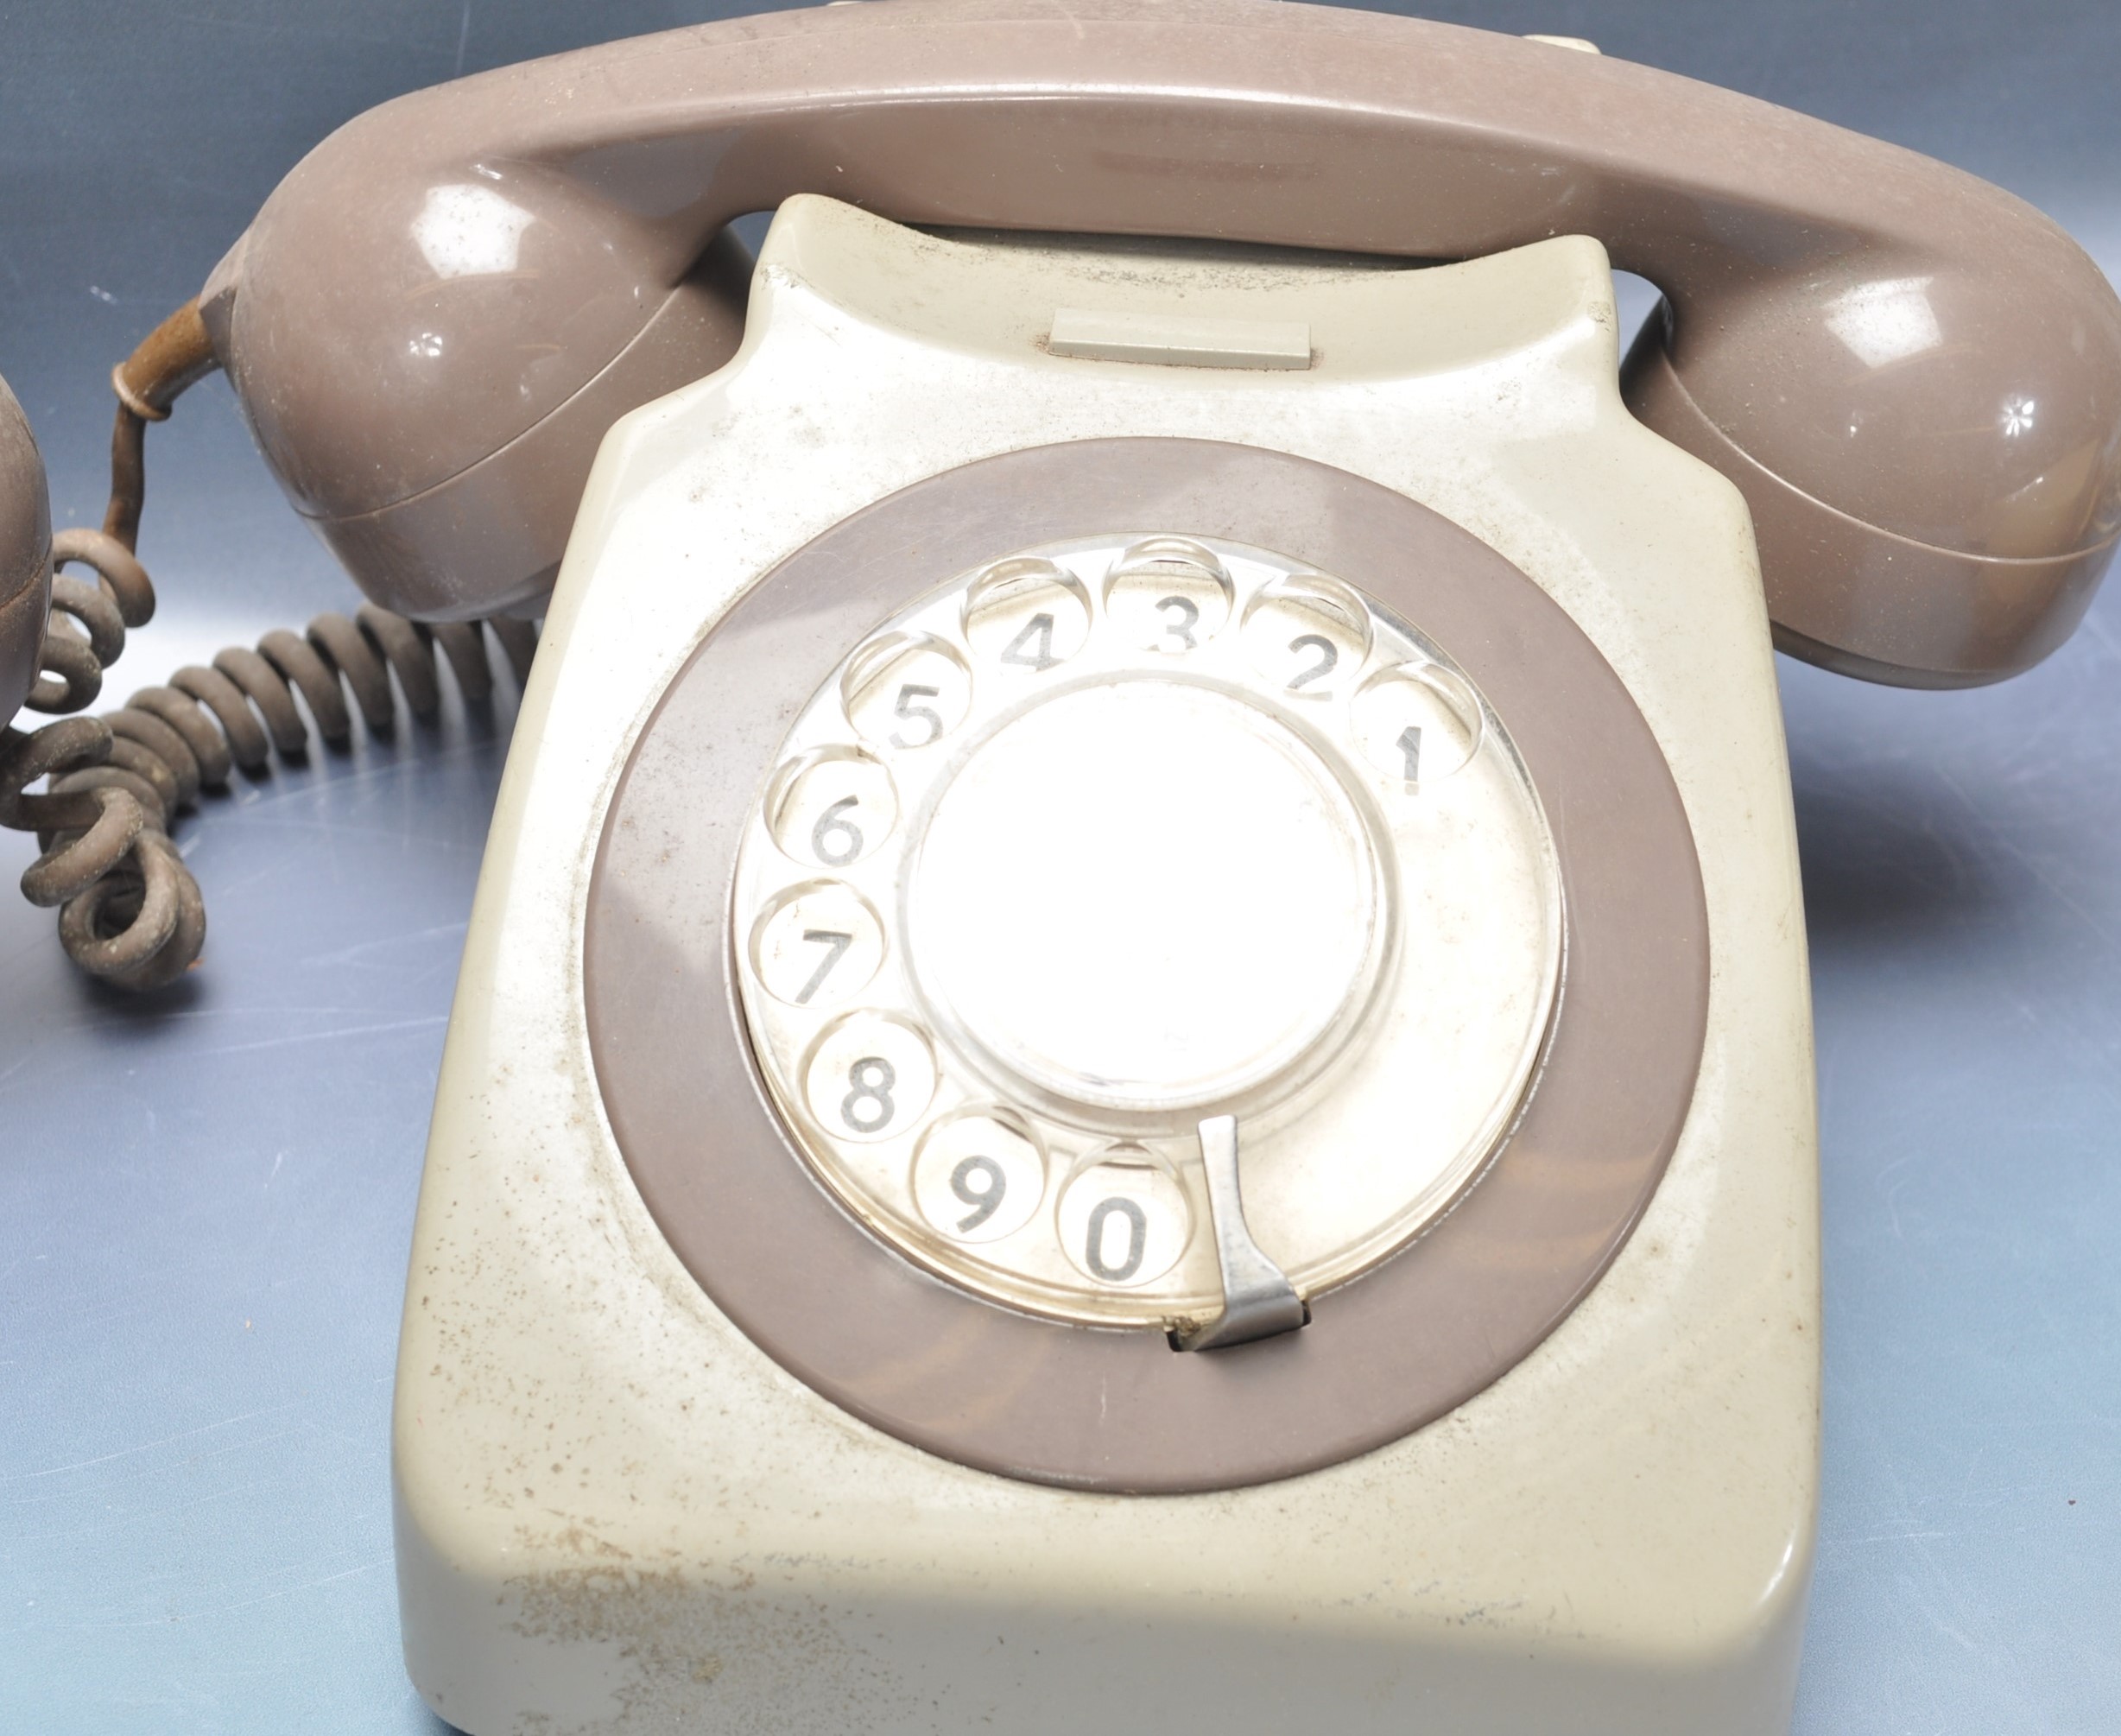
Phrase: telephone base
(616, 1512)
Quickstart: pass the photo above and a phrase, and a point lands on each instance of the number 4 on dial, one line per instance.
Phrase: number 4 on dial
(1032, 648)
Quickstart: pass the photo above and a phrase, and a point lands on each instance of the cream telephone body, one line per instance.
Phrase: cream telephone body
(693, 1530)
(1134, 1051)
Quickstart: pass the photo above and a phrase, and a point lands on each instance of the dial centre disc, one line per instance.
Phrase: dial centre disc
(1145, 896)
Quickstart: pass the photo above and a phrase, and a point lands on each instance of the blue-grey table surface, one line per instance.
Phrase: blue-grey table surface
(205, 1201)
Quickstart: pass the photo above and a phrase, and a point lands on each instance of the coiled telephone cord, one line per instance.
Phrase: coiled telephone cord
(129, 911)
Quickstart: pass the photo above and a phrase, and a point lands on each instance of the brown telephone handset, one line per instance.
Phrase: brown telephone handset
(1914, 378)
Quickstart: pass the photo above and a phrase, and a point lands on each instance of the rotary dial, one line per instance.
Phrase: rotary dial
(1120, 870)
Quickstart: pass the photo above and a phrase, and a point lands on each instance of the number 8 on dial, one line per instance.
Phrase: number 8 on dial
(869, 1077)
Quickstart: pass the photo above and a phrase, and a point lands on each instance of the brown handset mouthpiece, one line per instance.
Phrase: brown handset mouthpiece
(25, 555)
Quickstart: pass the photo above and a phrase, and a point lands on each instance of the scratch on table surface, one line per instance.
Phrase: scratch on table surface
(426, 1022)
(7, 1477)
(21, 1061)
(347, 955)
(29, 1249)
(1891, 1188)
(2000, 838)
(425, 751)
(1935, 1594)
(1893, 1537)
(307, 1585)
(2061, 894)
(1973, 1465)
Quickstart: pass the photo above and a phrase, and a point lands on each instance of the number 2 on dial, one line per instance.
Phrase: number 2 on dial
(1328, 656)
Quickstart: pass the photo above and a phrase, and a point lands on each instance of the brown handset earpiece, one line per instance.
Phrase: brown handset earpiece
(1914, 378)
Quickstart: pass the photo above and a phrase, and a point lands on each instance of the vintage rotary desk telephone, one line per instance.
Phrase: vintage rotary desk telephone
(1135, 1050)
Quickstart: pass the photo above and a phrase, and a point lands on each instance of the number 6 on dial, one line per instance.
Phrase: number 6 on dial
(832, 806)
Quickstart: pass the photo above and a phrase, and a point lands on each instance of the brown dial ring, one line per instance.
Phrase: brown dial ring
(1116, 1410)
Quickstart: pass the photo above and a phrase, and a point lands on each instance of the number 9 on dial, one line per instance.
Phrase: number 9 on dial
(979, 1176)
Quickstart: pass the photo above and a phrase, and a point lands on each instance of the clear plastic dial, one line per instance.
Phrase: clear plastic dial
(1112, 836)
